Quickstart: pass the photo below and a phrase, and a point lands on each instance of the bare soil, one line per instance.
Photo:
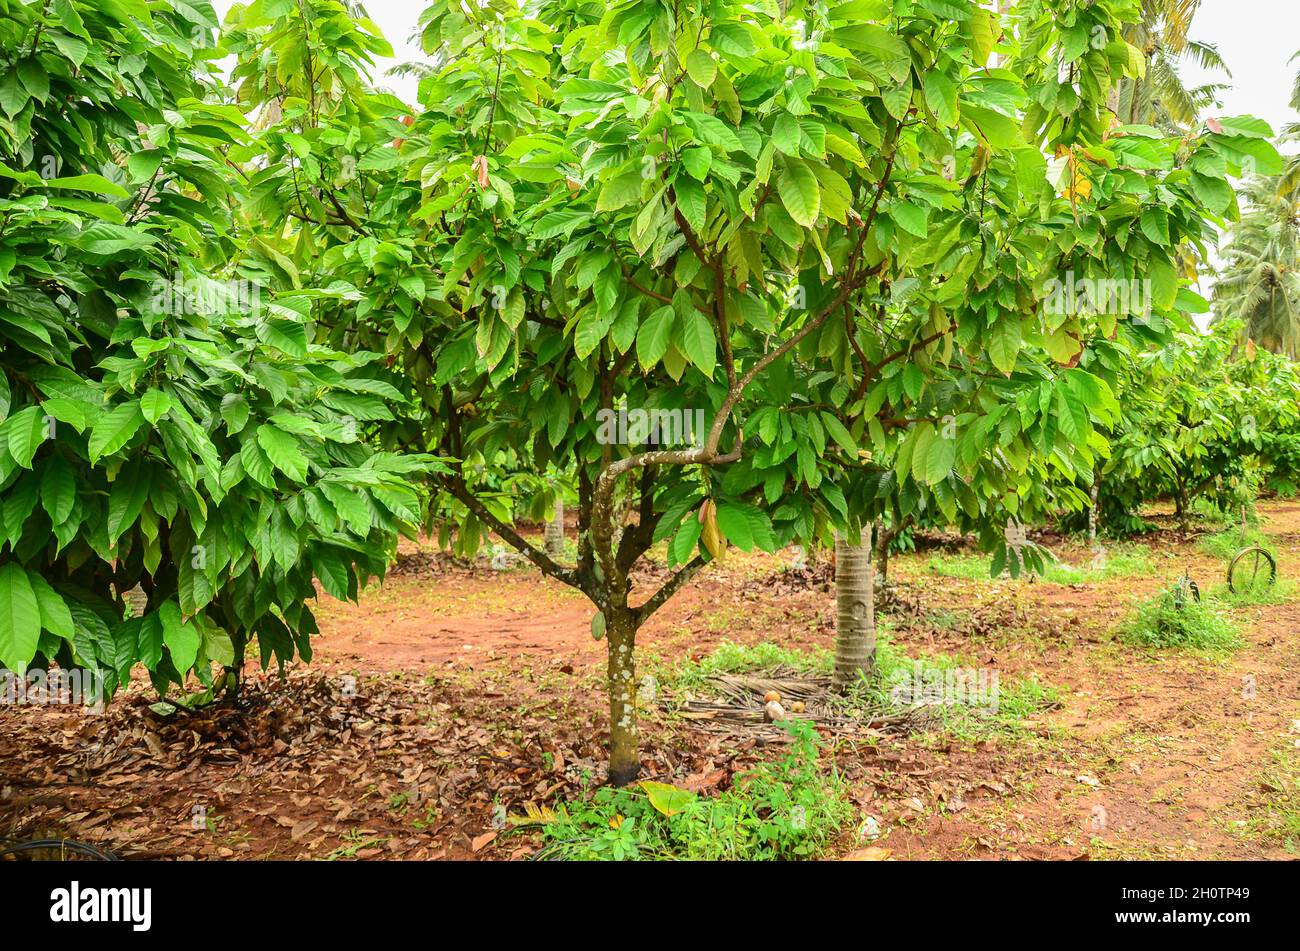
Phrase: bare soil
(453, 695)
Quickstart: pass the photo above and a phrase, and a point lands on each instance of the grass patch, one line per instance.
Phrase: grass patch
(1280, 592)
(1124, 561)
(968, 567)
(1228, 542)
(732, 658)
(785, 809)
(971, 703)
(1275, 811)
(968, 702)
(1167, 621)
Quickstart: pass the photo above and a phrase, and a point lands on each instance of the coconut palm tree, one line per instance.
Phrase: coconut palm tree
(1160, 97)
(1259, 283)
(1290, 179)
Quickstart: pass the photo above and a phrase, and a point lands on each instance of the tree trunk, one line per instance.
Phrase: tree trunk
(1092, 510)
(855, 629)
(553, 535)
(624, 761)
(883, 539)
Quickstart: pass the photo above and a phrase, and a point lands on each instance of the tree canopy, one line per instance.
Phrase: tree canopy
(894, 253)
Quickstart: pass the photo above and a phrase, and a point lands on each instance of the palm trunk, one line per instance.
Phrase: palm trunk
(855, 634)
(624, 761)
(553, 536)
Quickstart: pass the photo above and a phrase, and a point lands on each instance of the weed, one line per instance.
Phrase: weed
(967, 702)
(355, 840)
(1171, 620)
(787, 809)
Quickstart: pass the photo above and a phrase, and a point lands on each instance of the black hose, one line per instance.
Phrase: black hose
(63, 845)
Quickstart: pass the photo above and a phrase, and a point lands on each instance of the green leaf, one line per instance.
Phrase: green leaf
(691, 202)
(234, 410)
(653, 336)
(55, 615)
(89, 183)
(702, 69)
(1155, 225)
(332, 571)
(735, 525)
(998, 131)
(697, 160)
(104, 237)
(799, 191)
(1004, 343)
(181, 637)
(841, 435)
(114, 429)
(256, 463)
(619, 191)
(126, 500)
(154, 405)
(20, 617)
(941, 96)
(669, 800)
(786, 134)
(913, 219)
(58, 489)
(698, 342)
(885, 52)
(26, 430)
(939, 458)
(283, 451)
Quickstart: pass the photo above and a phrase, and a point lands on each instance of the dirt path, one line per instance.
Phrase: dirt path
(450, 694)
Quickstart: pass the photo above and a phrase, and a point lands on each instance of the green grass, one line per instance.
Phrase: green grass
(1280, 592)
(732, 658)
(1228, 542)
(1126, 561)
(972, 705)
(968, 567)
(1123, 561)
(1275, 809)
(787, 809)
(1195, 625)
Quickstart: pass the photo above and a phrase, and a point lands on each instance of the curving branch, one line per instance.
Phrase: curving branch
(669, 588)
(549, 566)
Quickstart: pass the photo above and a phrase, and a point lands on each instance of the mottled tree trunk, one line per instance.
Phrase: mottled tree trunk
(553, 536)
(855, 630)
(624, 761)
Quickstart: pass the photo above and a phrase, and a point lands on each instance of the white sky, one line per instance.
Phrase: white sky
(1256, 38)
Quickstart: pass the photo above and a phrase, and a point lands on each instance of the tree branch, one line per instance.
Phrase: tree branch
(669, 588)
(538, 557)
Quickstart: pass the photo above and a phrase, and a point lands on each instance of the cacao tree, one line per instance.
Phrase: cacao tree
(166, 425)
